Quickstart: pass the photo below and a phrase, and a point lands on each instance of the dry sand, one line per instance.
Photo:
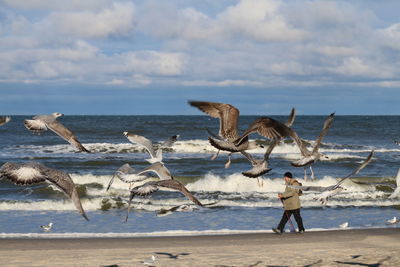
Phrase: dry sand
(371, 247)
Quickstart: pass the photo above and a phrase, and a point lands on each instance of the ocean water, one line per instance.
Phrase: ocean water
(234, 203)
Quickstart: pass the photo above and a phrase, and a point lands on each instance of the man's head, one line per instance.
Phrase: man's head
(287, 176)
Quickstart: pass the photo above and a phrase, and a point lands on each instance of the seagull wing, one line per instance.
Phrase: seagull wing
(325, 128)
(267, 127)
(143, 141)
(159, 169)
(170, 141)
(362, 166)
(174, 184)
(228, 116)
(64, 182)
(308, 188)
(66, 134)
(4, 120)
(23, 174)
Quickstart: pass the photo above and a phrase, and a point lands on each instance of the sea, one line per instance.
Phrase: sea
(232, 202)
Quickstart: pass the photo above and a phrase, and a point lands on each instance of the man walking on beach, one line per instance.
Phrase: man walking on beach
(291, 202)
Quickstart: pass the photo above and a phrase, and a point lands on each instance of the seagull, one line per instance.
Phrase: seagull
(4, 120)
(127, 175)
(228, 138)
(47, 227)
(344, 225)
(261, 167)
(309, 157)
(329, 191)
(33, 172)
(41, 123)
(153, 186)
(150, 262)
(155, 156)
(392, 221)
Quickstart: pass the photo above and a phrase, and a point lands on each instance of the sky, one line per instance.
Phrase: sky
(98, 57)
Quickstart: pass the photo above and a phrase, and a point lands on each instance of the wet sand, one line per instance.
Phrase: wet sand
(366, 247)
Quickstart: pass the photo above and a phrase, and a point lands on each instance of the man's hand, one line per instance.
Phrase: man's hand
(280, 195)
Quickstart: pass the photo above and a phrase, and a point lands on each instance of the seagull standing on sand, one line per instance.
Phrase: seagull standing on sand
(329, 191)
(41, 123)
(155, 156)
(150, 262)
(4, 120)
(47, 227)
(33, 172)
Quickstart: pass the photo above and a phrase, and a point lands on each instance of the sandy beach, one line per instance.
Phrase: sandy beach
(367, 247)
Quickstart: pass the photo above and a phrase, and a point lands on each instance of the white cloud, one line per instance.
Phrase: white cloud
(259, 19)
(115, 20)
(239, 43)
(151, 62)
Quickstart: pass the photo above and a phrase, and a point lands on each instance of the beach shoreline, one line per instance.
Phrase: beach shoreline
(317, 248)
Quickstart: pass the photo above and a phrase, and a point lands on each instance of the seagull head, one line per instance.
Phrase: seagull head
(57, 114)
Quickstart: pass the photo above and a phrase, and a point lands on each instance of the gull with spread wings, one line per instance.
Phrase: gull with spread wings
(228, 135)
(166, 181)
(261, 167)
(33, 172)
(155, 156)
(41, 123)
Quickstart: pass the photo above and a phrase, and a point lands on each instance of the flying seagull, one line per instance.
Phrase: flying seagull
(150, 187)
(126, 174)
(261, 167)
(4, 120)
(155, 156)
(227, 139)
(329, 191)
(33, 172)
(309, 157)
(41, 123)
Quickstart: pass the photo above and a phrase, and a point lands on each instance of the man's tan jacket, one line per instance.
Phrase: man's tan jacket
(291, 196)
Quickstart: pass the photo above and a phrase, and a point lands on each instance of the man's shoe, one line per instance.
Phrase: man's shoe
(301, 232)
(277, 231)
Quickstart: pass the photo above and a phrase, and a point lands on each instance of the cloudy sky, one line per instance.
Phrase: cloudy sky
(150, 57)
